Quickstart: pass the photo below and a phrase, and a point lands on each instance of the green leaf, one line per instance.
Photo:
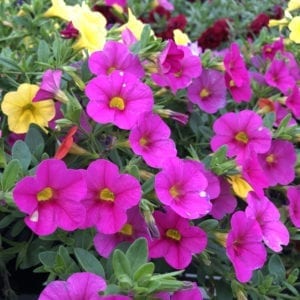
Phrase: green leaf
(137, 253)
(89, 262)
(21, 152)
(276, 268)
(35, 141)
(144, 272)
(121, 264)
(148, 185)
(269, 120)
(43, 51)
(10, 64)
(47, 258)
(11, 174)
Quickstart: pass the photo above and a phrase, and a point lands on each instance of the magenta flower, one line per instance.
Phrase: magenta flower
(118, 98)
(208, 91)
(241, 132)
(278, 76)
(278, 163)
(225, 203)
(50, 87)
(150, 138)
(267, 216)
(115, 56)
(181, 185)
(110, 194)
(292, 101)
(293, 194)
(235, 66)
(134, 228)
(280, 113)
(52, 198)
(177, 66)
(244, 246)
(269, 50)
(178, 240)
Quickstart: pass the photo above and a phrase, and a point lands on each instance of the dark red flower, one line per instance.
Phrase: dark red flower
(178, 22)
(107, 12)
(261, 20)
(69, 31)
(277, 12)
(159, 11)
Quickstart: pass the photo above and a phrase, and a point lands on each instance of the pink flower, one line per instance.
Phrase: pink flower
(181, 185)
(115, 56)
(110, 194)
(293, 102)
(267, 216)
(293, 194)
(192, 293)
(134, 228)
(178, 240)
(118, 98)
(278, 163)
(177, 67)
(269, 50)
(166, 4)
(208, 91)
(244, 246)
(225, 203)
(52, 198)
(242, 133)
(278, 76)
(150, 138)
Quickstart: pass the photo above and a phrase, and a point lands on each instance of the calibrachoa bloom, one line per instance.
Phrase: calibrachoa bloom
(181, 185)
(241, 132)
(278, 163)
(150, 138)
(292, 101)
(52, 198)
(119, 98)
(115, 56)
(293, 194)
(110, 194)
(267, 216)
(22, 111)
(178, 240)
(134, 228)
(208, 91)
(193, 293)
(244, 246)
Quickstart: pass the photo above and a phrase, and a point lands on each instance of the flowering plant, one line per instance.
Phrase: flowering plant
(147, 154)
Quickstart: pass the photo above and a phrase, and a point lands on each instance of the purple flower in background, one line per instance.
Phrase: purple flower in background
(208, 91)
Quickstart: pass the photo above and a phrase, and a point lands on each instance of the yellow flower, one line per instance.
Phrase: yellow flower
(293, 5)
(294, 27)
(280, 23)
(60, 9)
(181, 38)
(239, 185)
(21, 111)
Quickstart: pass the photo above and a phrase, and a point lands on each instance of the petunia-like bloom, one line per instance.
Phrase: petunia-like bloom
(292, 101)
(119, 98)
(115, 56)
(134, 228)
(177, 66)
(208, 91)
(181, 185)
(293, 194)
(109, 196)
(59, 9)
(241, 132)
(278, 76)
(278, 163)
(244, 246)
(294, 27)
(50, 87)
(269, 50)
(192, 293)
(178, 240)
(21, 111)
(52, 198)
(267, 216)
(150, 138)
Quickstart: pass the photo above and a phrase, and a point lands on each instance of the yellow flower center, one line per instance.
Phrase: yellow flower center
(204, 93)
(110, 70)
(174, 191)
(173, 234)
(127, 229)
(143, 141)
(231, 83)
(45, 194)
(270, 158)
(242, 137)
(117, 102)
(107, 195)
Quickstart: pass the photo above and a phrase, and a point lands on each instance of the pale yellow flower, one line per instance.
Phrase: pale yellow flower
(294, 27)
(293, 5)
(60, 9)
(21, 111)
(180, 37)
(239, 185)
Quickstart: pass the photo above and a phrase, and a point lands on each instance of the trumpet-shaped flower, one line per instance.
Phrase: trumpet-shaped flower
(178, 240)
(267, 216)
(150, 138)
(115, 56)
(242, 132)
(119, 98)
(52, 198)
(244, 246)
(110, 194)
(294, 27)
(60, 9)
(21, 111)
(293, 194)
(186, 294)
(292, 101)
(181, 185)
